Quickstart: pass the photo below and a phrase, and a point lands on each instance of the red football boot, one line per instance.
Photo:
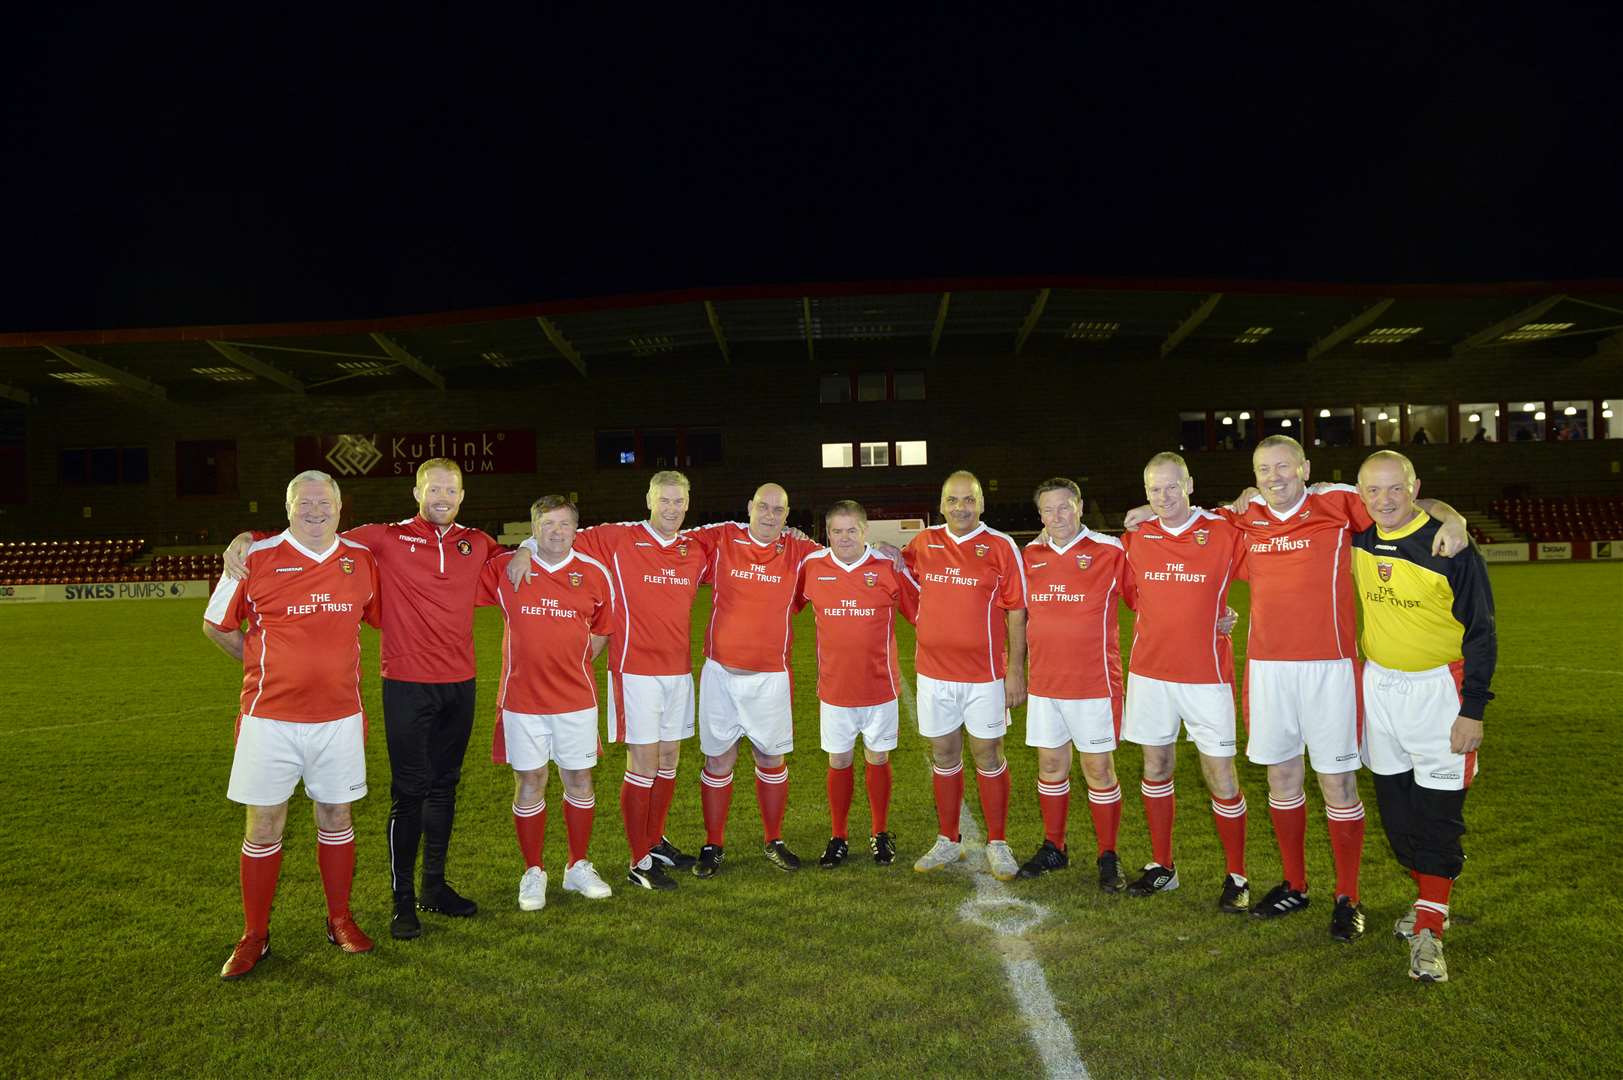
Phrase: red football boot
(343, 933)
(248, 952)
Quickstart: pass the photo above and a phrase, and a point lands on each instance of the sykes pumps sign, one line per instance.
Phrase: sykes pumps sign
(383, 453)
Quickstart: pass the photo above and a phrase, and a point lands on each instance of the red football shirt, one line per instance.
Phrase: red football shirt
(855, 607)
(966, 586)
(654, 584)
(1181, 577)
(1072, 626)
(547, 641)
(301, 659)
(750, 614)
(1299, 564)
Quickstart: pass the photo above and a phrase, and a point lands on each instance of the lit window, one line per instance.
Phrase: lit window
(1427, 423)
(1381, 426)
(1478, 422)
(1253, 334)
(1092, 331)
(223, 374)
(911, 453)
(837, 455)
(875, 453)
(1281, 422)
(1537, 331)
(1389, 335)
(871, 386)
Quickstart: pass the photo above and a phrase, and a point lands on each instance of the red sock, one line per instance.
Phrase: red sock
(876, 778)
(1229, 816)
(261, 865)
(949, 798)
(1290, 829)
(335, 853)
(1159, 809)
(716, 796)
(530, 823)
(994, 790)
(1054, 800)
(578, 825)
(1105, 806)
(772, 793)
(635, 795)
(1347, 844)
(841, 783)
(664, 792)
(1432, 907)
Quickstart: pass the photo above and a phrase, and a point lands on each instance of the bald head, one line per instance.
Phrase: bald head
(768, 512)
(1388, 486)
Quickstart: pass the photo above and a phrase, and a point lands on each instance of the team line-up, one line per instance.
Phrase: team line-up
(1410, 709)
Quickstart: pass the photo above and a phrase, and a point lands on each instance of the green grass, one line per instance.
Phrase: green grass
(118, 902)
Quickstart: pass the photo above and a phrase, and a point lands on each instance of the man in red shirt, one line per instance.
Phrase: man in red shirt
(1181, 672)
(303, 598)
(855, 593)
(972, 592)
(745, 684)
(557, 621)
(429, 566)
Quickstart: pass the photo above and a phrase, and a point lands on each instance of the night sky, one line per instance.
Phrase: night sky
(266, 167)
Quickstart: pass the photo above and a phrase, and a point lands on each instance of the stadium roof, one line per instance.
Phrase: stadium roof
(890, 322)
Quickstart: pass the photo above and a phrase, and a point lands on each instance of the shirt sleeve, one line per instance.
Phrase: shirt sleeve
(372, 614)
(801, 599)
(1129, 584)
(228, 604)
(603, 615)
(1350, 505)
(595, 540)
(1011, 586)
(372, 536)
(492, 576)
(907, 595)
(910, 553)
(1473, 607)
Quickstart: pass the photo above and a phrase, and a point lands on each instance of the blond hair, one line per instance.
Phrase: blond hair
(1281, 440)
(1167, 457)
(312, 476)
(438, 463)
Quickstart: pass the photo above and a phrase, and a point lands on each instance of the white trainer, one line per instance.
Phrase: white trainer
(582, 878)
(1426, 963)
(1001, 860)
(1404, 927)
(944, 853)
(532, 889)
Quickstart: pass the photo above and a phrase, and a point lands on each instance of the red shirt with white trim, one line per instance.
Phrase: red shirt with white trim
(1300, 567)
(1072, 625)
(751, 611)
(1181, 577)
(301, 659)
(549, 624)
(967, 584)
(655, 581)
(855, 607)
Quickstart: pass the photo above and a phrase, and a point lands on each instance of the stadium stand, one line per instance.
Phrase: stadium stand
(66, 562)
(1573, 518)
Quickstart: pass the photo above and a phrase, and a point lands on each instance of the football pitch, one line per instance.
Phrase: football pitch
(119, 902)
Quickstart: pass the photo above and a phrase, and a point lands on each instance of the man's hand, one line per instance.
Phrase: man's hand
(796, 533)
(1137, 516)
(1225, 625)
(1465, 736)
(236, 556)
(1318, 488)
(1014, 688)
(1244, 500)
(519, 569)
(891, 552)
(1451, 539)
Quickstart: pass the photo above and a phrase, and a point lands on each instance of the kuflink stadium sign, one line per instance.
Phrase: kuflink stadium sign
(376, 453)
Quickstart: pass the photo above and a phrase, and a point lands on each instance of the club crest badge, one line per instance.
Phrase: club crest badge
(574, 579)
(981, 550)
(682, 549)
(464, 546)
(347, 565)
(870, 578)
(1201, 535)
(778, 548)
(1084, 561)
(1384, 569)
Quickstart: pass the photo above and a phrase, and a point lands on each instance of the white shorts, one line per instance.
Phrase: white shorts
(1092, 725)
(841, 724)
(1408, 720)
(272, 756)
(977, 707)
(1292, 704)
(754, 706)
(1155, 706)
(533, 739)
(647, 709)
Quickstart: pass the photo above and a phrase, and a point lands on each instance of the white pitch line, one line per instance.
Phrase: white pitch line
(1572, 670)
(995, 907)
(112, 720)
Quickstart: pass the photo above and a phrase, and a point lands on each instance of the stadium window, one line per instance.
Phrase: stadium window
(909, 385)
(834, 389)
(1382, 425)
(912, 453)
(616, 448)
(659, 449)
(1609, 427)
(1333, 426)
(874, 453)
(1427, 424)
(838, 455)
(1478, 422)
(206, 467)
(1526, 421)
(1191, 431)
(703, 446)
(873, 386)
(1235, 430)
(1282, 422)
(1572, 420)
(132, 465)
(103, 465)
